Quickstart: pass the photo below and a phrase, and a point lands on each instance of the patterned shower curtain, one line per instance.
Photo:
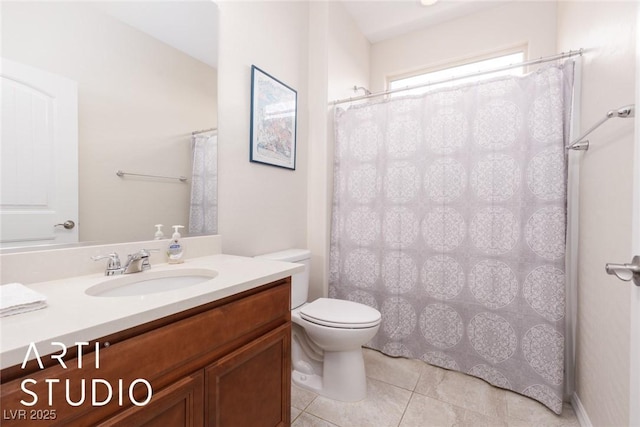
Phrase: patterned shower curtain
(449, 217)
(203, 211)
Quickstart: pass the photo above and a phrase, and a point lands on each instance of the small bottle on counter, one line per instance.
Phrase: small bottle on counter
(175, 249)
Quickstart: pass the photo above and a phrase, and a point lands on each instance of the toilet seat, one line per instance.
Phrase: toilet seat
(335, 313)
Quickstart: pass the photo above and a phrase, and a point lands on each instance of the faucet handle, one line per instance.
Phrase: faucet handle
(114, 259)
(142, 253)
(112, 265)
(146, 252)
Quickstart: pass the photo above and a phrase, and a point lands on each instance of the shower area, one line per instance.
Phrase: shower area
(450, 216)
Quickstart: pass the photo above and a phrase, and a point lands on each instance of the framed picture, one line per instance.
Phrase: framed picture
(273, 121)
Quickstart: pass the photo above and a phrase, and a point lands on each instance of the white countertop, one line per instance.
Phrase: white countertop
(73, 316)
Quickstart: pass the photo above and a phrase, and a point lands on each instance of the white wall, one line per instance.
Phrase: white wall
(261, 208)
(634, 415)
(607, 30)
(315, 48)
(339, 60)
(317, 200)
(139, 100)
(349, 54)
(487, 31)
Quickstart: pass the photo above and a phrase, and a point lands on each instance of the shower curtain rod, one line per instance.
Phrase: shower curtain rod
(479, 73)
(196, 132)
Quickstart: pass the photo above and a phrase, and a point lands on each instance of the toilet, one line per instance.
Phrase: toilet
(327, 337)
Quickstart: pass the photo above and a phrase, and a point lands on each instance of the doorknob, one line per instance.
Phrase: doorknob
(626, 272)
(68, 224)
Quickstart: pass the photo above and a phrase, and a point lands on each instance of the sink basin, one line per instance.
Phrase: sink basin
(150, 282)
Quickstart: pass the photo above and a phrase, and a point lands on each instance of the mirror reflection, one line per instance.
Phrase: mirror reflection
(93, 88)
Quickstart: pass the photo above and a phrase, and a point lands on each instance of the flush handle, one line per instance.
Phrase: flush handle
(68, 224)
(626, 272)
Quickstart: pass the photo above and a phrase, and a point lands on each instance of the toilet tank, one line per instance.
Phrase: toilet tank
(299, 281)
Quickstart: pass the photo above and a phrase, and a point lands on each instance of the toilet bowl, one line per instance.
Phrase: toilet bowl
(339, 329)
(327, 337)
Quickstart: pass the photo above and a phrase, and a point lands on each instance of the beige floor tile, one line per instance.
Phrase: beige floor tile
(424, 411)
(560, 422)
(475, 419)
(568, 416)
(307, 420)
(468, 392)
(430, 378)
(295, 412)
(397, 371)
(301, 398)
(383, 406)
(441, 398)
(523, 411)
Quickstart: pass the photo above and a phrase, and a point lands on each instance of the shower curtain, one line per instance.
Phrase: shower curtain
(449, 217)
(203, 211)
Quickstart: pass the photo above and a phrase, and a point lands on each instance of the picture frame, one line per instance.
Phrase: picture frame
(274, 108)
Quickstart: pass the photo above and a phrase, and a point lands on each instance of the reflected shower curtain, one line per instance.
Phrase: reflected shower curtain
(203, 210)
(449, 217)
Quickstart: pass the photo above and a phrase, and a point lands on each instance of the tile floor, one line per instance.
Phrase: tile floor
(410, 393)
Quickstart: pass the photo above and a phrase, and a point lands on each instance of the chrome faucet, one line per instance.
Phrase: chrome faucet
(136, 262)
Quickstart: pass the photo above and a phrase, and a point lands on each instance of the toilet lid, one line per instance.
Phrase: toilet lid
(337, 313)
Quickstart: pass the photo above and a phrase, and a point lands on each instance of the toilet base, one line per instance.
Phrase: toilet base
(309, 382)
(343, 379)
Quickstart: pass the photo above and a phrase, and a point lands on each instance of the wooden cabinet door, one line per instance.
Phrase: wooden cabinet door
(180, 404)
(252, 386)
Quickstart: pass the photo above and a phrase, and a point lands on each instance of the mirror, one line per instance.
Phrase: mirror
(146, 75)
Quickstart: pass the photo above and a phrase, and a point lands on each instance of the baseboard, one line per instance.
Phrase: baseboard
(581, 413)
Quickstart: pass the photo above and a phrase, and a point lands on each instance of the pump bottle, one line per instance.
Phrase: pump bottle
(175, 249)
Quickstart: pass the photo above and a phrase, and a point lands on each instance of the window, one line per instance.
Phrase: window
(459, 70)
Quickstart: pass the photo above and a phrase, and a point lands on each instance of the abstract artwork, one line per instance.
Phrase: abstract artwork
(273, 121)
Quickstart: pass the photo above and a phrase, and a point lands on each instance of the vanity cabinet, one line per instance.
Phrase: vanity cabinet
(180, 404)
(226, 363)
(246, 388)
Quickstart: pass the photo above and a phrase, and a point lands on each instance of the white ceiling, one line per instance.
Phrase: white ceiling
(381, 20)
(192, 26)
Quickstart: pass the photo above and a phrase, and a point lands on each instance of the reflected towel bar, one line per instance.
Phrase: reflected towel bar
(179, 178)
(196, 132)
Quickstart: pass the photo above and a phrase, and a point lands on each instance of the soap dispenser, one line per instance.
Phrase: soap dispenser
(159, 234)
(175, 250)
